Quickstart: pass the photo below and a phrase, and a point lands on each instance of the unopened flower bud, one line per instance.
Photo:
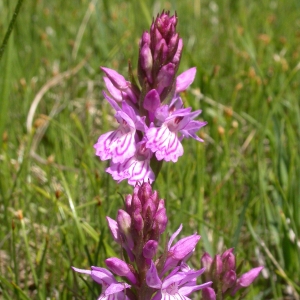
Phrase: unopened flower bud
(144, 192)
(138, 222)
(161, 220)
(228, 281)
(206, 262)
(228, 259)
(217, 267)
(128, 201)
(177, 56)
(161, 50)
(136, 204)
(174, 42)
(115, 92)
(208, 294)
(146, 39)
(149, 205)
(120, 268)
(124, 223)
(146, 61)
(165, 76)
(150, 249)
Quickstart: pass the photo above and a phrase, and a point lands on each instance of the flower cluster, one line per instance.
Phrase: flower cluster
(151, 276)
(152, 123)
(151, 117)
(222, 271)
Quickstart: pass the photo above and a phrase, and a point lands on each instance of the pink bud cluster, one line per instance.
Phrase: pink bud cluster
(160, 53)
(140, 225)
(221, 270)
(150, 274)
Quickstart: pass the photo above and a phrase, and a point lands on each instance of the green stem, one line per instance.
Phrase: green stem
(10, 27)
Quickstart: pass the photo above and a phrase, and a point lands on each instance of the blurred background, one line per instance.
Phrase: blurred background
(240, 188)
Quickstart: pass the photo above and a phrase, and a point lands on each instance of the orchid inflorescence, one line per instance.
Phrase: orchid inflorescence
(152, 119)
(152, 123)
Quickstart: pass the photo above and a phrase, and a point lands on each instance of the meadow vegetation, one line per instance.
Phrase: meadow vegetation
(240, 188)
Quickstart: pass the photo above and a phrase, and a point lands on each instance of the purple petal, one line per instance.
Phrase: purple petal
(187, 290)
(191, 275)
(150, 248)
(185, 79)
(173, 279)
(182, 249)
(123, 147)
(152, 277)
(82, 271)
(111, 101)
(135, 120)
(246, 279)
(102, 147)
(115, 288)
(162, 113)
(151, 101)
(158, 296)
(115, 93)
(173, 236)
(114, 229)
(117, 79)
(102, 276)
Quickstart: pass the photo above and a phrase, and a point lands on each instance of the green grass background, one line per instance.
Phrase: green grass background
(240, 188)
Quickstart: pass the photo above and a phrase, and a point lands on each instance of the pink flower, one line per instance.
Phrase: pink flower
(120, 144)
(173, 124)
(177, 285)
(181, 251)
(111, 288)
(135, 168)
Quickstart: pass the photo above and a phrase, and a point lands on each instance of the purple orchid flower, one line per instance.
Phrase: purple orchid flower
(111, 288)
(164, 140)
(136, 168)
(120, 144)
(181, 251)
(177, 285)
